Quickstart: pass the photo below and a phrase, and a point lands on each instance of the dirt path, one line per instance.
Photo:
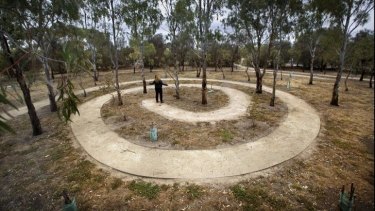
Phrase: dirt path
(292, 137)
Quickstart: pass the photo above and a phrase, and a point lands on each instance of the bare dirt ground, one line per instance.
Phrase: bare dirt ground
(132, 121)
(35, 170)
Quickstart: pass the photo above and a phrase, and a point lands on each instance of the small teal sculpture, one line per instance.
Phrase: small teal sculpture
(153, 133)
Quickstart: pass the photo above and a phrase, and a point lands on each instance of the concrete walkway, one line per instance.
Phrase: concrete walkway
(293, 136)
(237, 107)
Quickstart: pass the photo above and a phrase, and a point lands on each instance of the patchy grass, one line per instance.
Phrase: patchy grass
(226, 135)
(145, 189)
(194, 191)
(117, 182)
(341, 155)
(180, 135)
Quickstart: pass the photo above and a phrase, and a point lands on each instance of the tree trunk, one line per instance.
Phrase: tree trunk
(281, 72)
(142, 69)
(311, 69)
(52, 74)
(176, 72)
(247, 73)
(346, 80)
(336, 86)
(199, 70)
(372, 76)
(222, 71)
(96, 75)
(204, 80)
(259, 77)
(116, 55)
(51, 92)
(362, 73)
(34, 119)
(272, 103)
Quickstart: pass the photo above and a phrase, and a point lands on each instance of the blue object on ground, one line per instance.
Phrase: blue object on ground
(153, 133)
(71, 207)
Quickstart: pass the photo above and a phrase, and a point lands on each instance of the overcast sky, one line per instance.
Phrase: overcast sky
(217, 24)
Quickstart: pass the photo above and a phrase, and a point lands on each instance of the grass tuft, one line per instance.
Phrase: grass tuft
(194, 191)
(117, 182)
(226, 135)
(144, 189)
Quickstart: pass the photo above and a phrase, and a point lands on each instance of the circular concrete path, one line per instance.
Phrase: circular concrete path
(239, 102)
(294, 135)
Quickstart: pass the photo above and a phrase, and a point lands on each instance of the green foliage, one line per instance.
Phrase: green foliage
(254, 197)
(3, 126)
(69, 103)
(226, 135)
(81, 173)
(144, 189)
(194, 191)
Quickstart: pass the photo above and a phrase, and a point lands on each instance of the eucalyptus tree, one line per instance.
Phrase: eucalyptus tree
(12, 29)
(143, 18)
(184, 44)
(34, 119)
(310, 24)
(114, 11)
(179, 17)
(282, 19)
(253, 19)
(42, 20)
(204, 13)
(93, 11)
(158, 42)
(346, 16)
(4, 127)
(362, 52)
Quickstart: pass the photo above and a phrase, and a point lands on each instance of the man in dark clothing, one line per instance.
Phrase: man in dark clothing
(158, 88)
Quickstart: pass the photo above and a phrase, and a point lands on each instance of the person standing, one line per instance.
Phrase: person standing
(158, 88)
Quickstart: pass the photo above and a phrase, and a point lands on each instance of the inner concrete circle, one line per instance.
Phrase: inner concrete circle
(293, 136)
(238, 105)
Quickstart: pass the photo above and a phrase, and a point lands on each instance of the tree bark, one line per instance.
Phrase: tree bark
(199, 70)
(363, 72)
(346, 80)
(204, 81)
(272, 103)
(51, 92)
(247, 73)
(312, 68)
(116, 55)
(259, 77)
(34, 119)
(176, 72)
(96, 75)
(372, 76)
(222, 71)
(281, 72)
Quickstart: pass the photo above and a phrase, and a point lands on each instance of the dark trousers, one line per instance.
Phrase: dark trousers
(159, 92)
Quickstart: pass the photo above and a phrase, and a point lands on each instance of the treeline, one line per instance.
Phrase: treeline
(87, 36)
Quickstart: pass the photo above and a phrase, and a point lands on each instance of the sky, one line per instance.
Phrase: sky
(217, 24)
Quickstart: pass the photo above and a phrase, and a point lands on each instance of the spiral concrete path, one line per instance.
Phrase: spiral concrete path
(293, 136)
